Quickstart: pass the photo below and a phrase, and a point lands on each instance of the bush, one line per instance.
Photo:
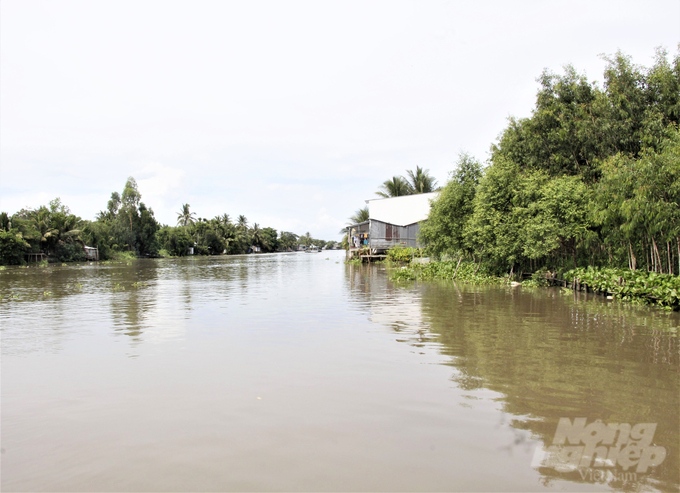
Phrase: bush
(468, 272)
(69, 252)
(12, 248)
(399, 253)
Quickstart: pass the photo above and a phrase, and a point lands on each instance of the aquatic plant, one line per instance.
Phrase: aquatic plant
(629, 285)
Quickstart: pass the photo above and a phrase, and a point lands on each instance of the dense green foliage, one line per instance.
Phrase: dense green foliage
(128, 227)
(399, 253)
(591, 178)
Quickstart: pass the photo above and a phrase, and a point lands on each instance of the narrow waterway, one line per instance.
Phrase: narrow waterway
(294, 372)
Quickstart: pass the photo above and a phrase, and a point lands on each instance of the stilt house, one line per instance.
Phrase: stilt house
(393, 221)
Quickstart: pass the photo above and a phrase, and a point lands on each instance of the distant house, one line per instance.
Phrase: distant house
(91, 253)
(393, 221)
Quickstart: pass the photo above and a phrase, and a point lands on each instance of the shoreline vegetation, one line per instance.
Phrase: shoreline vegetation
(640, 287)
(127, 229)
(587, 189)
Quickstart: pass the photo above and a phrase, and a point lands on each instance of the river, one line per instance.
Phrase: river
(296, 372)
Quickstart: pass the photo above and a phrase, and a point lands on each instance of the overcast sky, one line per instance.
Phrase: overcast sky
(291, 113)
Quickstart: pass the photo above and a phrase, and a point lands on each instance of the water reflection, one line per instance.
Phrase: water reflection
(547, 354)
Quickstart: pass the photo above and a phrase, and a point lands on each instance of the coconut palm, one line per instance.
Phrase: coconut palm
(395, 187)
(360, 215)
(242, 221)
(185, 217)
(420, 181)
(256, 235)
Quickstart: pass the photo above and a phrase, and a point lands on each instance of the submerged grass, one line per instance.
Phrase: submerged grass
(467, 272)
(124, 256)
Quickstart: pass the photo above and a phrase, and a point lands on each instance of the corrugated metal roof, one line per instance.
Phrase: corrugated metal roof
(402, 211)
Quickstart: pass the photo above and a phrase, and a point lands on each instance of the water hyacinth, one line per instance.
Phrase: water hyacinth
(630, 285)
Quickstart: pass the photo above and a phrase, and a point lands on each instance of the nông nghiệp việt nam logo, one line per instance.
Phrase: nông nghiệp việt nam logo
(599, 447)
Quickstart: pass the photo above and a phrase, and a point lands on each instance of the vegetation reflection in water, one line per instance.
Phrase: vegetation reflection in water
(550, 353)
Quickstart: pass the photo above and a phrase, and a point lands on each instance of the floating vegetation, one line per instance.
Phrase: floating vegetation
(47, 294)
(139, 284)
(629, 285)
(64, 265)
(2, 267)
(118, 287)
(78, 286)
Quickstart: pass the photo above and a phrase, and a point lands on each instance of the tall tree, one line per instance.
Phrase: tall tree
(130, 199)
(185, 217)
(444, 231)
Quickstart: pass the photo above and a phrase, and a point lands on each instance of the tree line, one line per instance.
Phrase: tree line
(128, 225)
(591, 178)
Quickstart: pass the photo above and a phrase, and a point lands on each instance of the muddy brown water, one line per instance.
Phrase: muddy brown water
(296, 372)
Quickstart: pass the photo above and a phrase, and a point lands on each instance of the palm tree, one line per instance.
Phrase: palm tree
(185, 217)
(359, 216)
(242, 221)
(224, 219)
(256, 235)
(395, 187)
(421, 181)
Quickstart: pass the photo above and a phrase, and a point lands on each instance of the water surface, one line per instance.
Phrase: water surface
(297, 372)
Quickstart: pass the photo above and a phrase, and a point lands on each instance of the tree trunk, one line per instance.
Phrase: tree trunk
(658, 257)
(458, 265)
(632, 257)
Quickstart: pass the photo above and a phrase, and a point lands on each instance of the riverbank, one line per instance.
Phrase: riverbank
(635, 286)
